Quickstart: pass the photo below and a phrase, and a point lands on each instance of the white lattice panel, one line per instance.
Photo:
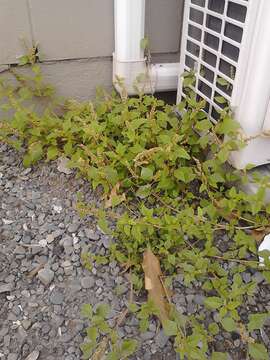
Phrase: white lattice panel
(213, 38)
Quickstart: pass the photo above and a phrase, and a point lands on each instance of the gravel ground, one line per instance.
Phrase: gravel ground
(40, 315)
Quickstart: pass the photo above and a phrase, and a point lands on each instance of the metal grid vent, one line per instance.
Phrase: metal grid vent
(214, 39)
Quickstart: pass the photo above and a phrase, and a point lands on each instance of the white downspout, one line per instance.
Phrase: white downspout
(129, 63)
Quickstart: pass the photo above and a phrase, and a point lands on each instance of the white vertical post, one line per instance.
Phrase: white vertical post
(128, 58)
(252, 109)
(129, 29)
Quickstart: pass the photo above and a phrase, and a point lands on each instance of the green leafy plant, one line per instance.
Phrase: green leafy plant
(99, 334)
(164, 174)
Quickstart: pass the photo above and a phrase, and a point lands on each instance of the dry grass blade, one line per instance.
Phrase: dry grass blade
(154, 285)
(246, 339)
(101, 349)
(34, 272)
(145, 156)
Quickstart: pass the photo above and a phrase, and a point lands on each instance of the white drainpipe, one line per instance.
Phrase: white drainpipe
(129, 62)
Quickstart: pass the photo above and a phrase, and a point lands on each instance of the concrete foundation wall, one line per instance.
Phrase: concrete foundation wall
(76, 39)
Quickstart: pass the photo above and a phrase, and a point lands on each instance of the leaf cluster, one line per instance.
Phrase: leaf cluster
(166, 168)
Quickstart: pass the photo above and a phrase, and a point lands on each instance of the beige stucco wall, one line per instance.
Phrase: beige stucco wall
(76, 38)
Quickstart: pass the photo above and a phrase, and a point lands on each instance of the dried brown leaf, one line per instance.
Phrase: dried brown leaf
(156, 290)
(113, 195)
(260, 233)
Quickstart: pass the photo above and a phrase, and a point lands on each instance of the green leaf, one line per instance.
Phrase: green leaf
(104, 226)
(27, 161)
(170, 328)
(213, 302)
(104, 327)
(87, 349)
(219, 356)
(266, 275)
(227, 126)
(143, 191)
(146, 173)
(92, 333)
(189, 81)
(52, 153)
(23, 60)
(220, 99)
(25, 94)
(204, 125)
(217, 178)
(258, 351)
(223, 155)
(36, 69)
(146, 211)
(135, 124)
(182, 153)
(171, 259)
(144, 324)
(128, 348)
(103, 310)
(68, 149)
(256, 321)
(35, 151)
(222, 81)
(117, 199)
(184, 174)
(145, 43)
(133, 307)
(87, 311)
(213, 328)
(113, 355)
(229, 324)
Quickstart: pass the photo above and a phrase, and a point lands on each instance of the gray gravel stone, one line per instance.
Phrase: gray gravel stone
(258, 277)
(16, 310)
(148, 335)
(50, 238)
(6, 341)
(42, 208)
(161, 339)
(88, 282)
(19, 250)
(56, 297)
(90, 234)
(237, 343)
(6, 288)
(45, 329)
(63, 166)
(106, 241)
(190, 298)
(22, 334)
(72, 228)
(246, 277)
(199, 299)
(46, 276)
(3, 332)
(67, 241)
(12, 356)
(26, 324)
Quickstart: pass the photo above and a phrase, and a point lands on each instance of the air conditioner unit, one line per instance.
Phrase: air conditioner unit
(230, 40)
